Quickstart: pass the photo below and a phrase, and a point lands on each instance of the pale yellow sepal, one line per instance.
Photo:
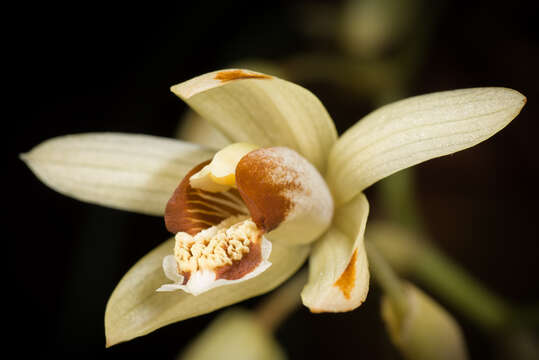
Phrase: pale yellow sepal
(253, 107)
(129, 172)
(237, 335)
(135, 308)
(414, 130)
(338, 267)
(426, 331)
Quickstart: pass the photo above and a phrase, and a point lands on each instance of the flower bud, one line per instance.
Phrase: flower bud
(234, 335)
(425, 331)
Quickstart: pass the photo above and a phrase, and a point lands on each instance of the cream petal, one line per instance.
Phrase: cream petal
(260, 109)
(135, 308)
(414, 130)
(338, 267)
(129, 172)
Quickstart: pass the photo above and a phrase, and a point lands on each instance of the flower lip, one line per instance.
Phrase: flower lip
(192, 210)
(220, 231)
(206, 279)
(235, 250)
(276, 186)
(230, 249)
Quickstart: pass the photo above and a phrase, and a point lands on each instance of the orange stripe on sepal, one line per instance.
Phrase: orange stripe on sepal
(347, 279)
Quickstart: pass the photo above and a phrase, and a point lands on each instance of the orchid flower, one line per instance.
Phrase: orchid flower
(245, 218)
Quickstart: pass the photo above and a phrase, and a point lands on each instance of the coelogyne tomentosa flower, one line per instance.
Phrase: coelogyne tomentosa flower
(245, 218)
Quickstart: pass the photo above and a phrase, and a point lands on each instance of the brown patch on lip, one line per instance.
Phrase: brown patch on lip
(229, 75)
(186, 275)
(347, 279)
(188, 211)
(263, 190)
(244, 266)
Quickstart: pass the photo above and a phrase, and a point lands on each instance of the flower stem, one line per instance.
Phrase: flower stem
(272, 311)
(462, 291)
(387, 280)
(431, 267)
(397, 196)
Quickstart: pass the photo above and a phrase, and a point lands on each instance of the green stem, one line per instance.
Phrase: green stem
(275, 308)
(387, 280)
(431, 267)
(397, 196)
(450, 282)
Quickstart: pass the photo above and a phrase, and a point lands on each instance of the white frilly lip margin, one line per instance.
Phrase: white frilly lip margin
(204, 280)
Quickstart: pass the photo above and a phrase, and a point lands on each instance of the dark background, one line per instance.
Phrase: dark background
(88, 68)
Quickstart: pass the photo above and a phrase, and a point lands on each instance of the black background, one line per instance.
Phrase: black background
(109, 67)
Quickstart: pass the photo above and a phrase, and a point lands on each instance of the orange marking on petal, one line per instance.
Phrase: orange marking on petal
(347, 280)
(229, 75)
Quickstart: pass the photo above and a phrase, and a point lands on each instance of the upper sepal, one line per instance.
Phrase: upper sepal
(248, 106)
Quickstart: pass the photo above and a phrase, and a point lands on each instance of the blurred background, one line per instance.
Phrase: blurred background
(89, 68)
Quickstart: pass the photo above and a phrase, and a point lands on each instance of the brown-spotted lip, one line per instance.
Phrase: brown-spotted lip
(269, 183)
(239, 268)
(263, 197)
(193, 210)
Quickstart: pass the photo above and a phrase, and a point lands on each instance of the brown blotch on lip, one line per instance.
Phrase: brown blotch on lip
(186, 275)
(229, 75)
(179, 214)
(347, 279)
(263, 194)
(244, 266)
